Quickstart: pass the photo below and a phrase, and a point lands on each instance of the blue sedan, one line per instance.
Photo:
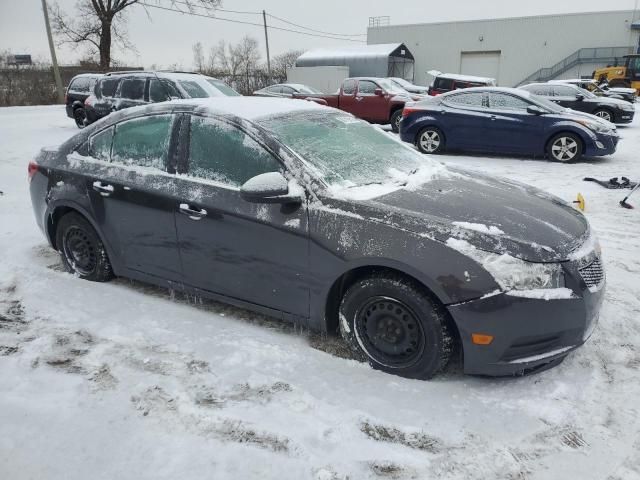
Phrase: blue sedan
(505, 120)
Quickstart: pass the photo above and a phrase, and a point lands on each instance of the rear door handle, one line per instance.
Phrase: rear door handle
(102, 188)
(193, 214)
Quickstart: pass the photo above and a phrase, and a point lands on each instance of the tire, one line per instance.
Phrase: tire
(80, 117)
(412, 338)
(565, 147)
(430, 140)
(604, 114)
(81, 249)
(395, 121)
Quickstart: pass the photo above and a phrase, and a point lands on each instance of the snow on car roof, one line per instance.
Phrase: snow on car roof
(252, 108)
(574, 80)
(457, 76)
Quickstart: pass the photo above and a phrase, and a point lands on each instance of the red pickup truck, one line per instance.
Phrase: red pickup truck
(376, 100)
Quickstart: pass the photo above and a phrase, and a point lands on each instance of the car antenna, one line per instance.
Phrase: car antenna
(623, 202)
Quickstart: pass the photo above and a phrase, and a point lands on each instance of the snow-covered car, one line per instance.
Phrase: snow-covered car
(119, 90)
(311, 215)
(286, 90)
(408, 86)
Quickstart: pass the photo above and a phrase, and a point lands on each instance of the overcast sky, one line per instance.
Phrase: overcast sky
(166, 38)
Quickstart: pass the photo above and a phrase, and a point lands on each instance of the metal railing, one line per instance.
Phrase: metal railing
(382, 21)
(584, 55)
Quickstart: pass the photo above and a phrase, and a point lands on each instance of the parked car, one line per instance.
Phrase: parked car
(286, 90)
(602, 90)
(354, 232)
(576, 98)
(408, 86)
(505, 120)
(119, 90)
(446, 82)
(376, 100)
(79, 89)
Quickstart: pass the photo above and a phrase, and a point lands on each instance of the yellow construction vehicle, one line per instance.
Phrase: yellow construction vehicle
(623, 76)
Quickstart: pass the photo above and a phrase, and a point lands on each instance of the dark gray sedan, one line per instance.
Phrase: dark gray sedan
(310, 215)
(286, 90)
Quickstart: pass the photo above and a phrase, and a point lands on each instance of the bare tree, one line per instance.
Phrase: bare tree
(98, 23)
(280, 63)
(198, 57)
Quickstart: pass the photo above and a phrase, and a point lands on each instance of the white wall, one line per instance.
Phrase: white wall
(326, 79)
(526, 44)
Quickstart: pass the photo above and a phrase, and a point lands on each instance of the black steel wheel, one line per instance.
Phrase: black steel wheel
(396, 326)
(81, 249)
(80, 117)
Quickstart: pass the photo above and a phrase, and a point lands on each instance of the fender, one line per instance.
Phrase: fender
(65, 203)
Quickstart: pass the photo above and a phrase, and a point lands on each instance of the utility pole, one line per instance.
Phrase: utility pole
(266, 40)
(54, 60)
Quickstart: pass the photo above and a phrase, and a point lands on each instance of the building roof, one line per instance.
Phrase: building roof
(360, 52)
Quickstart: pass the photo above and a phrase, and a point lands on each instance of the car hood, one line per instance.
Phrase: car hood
(621, 90)
(576, 115)
(496, 215)
(607, 101)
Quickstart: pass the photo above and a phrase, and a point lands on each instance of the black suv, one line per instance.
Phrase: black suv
(117, 91)
(80, 87)
(576, 98)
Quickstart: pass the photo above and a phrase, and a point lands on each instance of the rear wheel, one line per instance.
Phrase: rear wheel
(80, 117)
(395, 120)
(604, 114)
(430, 140)
(565, 147)
(81, 249)
(393, 324)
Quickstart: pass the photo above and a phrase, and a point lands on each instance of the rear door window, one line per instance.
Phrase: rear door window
(132, 88)
(466, 100)
(223, 153)
(143, 141)
(100, 144)
(108, 86)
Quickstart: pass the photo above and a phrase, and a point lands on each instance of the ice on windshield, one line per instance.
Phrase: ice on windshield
(348, 152)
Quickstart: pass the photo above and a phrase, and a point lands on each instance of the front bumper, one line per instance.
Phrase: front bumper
(602, 144)
(624, 116)
(530, 334)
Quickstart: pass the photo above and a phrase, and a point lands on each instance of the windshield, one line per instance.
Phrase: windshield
(586, 93)
(307, 89)
(346, 151)
(222, 87)
(400, 82)
(391, 87)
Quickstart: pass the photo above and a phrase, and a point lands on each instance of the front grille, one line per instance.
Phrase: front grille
(592, 274)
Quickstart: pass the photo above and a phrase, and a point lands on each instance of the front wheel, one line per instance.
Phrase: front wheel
(430, 140)
(399, 329)
(395, 121)
(81, 249)
(565, 147)
(604, 114)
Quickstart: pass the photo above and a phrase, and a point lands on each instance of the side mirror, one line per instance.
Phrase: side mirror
(535, 110)
(579, 97)
(269, 187)
(378, 92)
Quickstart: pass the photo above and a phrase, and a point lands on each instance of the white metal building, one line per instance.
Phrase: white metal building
(517, 50)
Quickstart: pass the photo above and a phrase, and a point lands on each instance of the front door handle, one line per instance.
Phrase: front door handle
(358, 99)
(192, 213)
(493, 118)
(102, 188)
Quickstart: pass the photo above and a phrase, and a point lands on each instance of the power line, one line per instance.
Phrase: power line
(242, 12)
(247, 23)
(318, 31)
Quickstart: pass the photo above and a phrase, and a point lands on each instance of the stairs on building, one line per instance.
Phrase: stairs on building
(604, 55)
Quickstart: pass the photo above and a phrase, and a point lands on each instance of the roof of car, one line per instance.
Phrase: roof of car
(250, 108)
(457, 76)
(574, 80)
(516, 91)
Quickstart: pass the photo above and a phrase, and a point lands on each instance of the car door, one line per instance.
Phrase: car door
(131, 92)
(106, 96)
(133, 196)
(511, 128)
(368, 105)
(348, 95)
(465, 119)
(566, 96)
(256, 253)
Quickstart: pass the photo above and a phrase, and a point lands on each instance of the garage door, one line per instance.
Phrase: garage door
(481, 64)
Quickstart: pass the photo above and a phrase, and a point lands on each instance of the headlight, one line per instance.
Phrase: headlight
(629, 107)
(595, 126)
(511, 273)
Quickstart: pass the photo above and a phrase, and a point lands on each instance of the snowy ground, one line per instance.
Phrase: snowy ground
(122, 381)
